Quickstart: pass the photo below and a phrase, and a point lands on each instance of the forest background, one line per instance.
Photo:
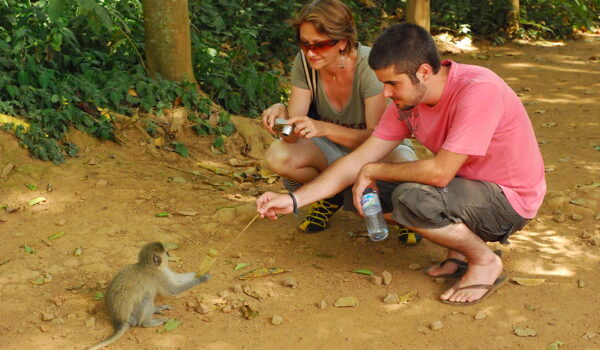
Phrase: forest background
(69, 63)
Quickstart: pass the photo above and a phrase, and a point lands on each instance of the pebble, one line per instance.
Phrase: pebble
(480, 315)
(576, 217)
(440, 280)
(227, 309)
(102, 182)
(376, 280)
(204, 308)
(61, 222)
(322, 305)
(391, 299)
(44, 328)
(276, 320)
(414, 266)
(387, 278)
(47, 316)
(560, 217)
(290, 282)
(437, 325)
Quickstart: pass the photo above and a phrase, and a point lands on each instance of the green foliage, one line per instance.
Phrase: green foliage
(538, 18)
(240, 48)
(62, 62)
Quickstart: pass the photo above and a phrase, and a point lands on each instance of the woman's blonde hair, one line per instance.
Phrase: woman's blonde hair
(330, 17)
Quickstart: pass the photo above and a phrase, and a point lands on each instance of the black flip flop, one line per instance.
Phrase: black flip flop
(462, 267)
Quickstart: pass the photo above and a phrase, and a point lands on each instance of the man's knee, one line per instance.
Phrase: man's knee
(419, 205)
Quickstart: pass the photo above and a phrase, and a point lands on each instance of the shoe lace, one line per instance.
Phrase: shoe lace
(319, 212)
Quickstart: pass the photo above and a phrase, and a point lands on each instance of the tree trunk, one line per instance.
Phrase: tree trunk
(418, 13)
(513, 17)
(167, 36)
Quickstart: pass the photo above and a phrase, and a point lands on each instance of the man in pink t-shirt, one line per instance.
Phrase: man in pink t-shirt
(485, 181)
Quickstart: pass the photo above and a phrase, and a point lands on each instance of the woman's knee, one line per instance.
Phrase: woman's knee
(278, 157)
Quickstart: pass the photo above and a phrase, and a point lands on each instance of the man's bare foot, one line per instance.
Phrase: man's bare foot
(448, 267)
(485, 273)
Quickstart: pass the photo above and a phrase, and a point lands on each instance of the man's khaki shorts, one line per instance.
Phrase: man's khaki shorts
(481, 206)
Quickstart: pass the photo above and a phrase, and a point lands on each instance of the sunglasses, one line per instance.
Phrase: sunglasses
(317, 47)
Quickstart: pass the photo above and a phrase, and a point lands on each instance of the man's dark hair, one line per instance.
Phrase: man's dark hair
(405, 47)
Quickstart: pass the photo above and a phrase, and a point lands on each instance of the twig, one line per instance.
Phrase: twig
(241, 232)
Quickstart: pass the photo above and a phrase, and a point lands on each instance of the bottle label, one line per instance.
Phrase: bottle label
(369, 200)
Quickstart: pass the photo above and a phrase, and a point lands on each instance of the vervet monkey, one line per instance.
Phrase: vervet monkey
(130, 295)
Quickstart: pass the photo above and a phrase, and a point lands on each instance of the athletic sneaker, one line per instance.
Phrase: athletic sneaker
(407, 236)
(320, 212)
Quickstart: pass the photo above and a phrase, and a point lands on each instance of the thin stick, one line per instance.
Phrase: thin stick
(183, 170)
(241, 232)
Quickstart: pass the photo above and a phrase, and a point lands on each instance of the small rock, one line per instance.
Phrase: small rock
(414, 266)
(440, 280)
(560, 217)
(290, 282)
(589, 335)
(102, 182)
(480, 315)
(93, 161)
(576, 217)
(61, 222)
(391, 299)
(57, 301)
(225, 294)
(47, 316)
(322, 305)
(376, 280)
(276, 320)
(530, 307)
(387, 278)
(204, 308)
(581, 283)
(44, 328)
(437, 325)
(90, 322)
(227, 309)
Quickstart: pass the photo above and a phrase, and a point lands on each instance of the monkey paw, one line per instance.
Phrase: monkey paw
(159, 309)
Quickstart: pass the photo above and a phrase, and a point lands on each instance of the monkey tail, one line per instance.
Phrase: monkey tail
(124, 327)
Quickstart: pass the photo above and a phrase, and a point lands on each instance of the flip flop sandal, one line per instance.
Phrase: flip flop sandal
(460, 271)
(491, 288)
(462, 267)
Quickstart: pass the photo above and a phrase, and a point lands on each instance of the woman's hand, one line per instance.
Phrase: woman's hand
(277, 110)
(307, 128)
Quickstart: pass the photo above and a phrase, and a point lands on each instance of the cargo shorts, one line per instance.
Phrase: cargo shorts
(481, 206)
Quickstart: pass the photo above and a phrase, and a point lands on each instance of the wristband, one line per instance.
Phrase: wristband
(295, 210)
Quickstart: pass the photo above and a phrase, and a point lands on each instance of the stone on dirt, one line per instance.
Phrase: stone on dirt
(290, 282)
(322, 305)
(436, 325)
(276, 320)
(480, 315)
(47, 316)
(376, 280)
(387, 278)
(414, 266)
(391, 299)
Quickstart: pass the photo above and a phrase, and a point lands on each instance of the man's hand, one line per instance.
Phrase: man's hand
(363, 180)
(271, 204)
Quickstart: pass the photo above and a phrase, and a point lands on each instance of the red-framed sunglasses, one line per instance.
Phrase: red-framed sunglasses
(318, 46)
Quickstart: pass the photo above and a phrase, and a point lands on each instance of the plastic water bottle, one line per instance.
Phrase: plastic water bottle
(371, 206)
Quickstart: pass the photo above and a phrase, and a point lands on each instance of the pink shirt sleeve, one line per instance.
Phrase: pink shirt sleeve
(476, 119)
(389, 127)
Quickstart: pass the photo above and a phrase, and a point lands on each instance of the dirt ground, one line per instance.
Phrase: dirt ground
(106, 203)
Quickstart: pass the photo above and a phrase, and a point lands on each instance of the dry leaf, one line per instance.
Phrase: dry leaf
(346, 302)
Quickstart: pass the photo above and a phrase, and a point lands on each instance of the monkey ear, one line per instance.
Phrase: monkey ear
(157, 260)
